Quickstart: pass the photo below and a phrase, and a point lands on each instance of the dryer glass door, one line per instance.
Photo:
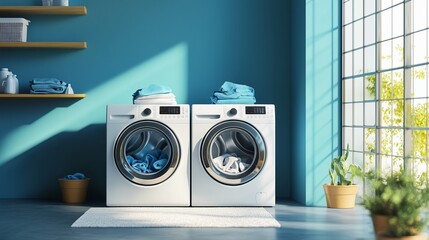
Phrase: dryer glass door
(233, 152)
(147, 152)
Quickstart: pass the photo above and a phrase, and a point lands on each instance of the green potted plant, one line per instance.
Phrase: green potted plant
(341, 193)
(398, 200)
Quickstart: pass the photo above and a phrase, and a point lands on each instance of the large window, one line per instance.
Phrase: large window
(385, 84)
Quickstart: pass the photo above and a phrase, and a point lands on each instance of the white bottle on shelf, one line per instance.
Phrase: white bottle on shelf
(4, 72)
(16, 84)
(9, 85)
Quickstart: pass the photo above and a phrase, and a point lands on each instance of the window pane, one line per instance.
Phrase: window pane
(419, 14)
(347, 136)
(419, 82)
(358, 139)
(419, 47)
(348, 64)
(386, 85)
(370, 87)
(348, 114)
(369, 162)
(386, 24)
(370, 140)
(358, 62)
(398, 20)
(392, 113)
(370, 30)
(384, 4)
(358, 9)
(348, 37)
(358, 34)
(398, 52)
(397, 84)
(386, 164)
(370, 59)
(370, 114)
(348, 90)
(418, 111)
(358, 114)
(419, 143)
(386, 55)
(348, 11)
(369, 7)
(358, 89)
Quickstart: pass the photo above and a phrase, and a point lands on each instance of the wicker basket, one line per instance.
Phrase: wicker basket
(13, 29)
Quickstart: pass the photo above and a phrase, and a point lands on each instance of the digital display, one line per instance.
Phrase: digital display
(255, 110)
(169, 110)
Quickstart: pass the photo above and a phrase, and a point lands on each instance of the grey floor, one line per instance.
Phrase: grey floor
(29, 219)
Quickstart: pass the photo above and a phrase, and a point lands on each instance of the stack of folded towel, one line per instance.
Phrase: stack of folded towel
(151, 162)
(232, 93)
(47, 85)
(154, 94)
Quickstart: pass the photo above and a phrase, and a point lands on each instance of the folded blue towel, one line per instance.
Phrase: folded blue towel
(76, 176)
(247, 100)
(230, 88)
(232, 93)
(152, 89)
(47, 81)
(47, 90)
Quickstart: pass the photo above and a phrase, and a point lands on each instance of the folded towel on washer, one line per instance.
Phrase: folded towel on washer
(241, 100)
(232, 93)
(157, 99)
(152, 89)
(76, 176)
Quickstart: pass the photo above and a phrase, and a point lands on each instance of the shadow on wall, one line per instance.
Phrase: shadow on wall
(52, 136)
(36, 170)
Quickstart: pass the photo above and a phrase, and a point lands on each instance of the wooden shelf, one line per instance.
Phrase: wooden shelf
(70, 45)
(43, 10)
(42, 95)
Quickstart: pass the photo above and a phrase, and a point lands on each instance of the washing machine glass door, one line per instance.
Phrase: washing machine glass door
(233, 152)
(147, 152)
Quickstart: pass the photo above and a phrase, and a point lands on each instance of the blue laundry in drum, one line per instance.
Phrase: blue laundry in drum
(142, 166)
(160, 164)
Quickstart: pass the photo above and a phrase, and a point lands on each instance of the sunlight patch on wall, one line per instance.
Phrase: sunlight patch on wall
(168, 68)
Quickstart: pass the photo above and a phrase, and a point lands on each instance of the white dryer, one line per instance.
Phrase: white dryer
(233, 155)
(148, 160)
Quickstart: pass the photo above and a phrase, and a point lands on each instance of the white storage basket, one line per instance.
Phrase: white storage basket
(13, 29)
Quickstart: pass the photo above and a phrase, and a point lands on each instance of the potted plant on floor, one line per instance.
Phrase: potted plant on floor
(400, 199)
(341, 193)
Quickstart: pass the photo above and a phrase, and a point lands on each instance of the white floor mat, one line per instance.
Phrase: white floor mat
(176, 217)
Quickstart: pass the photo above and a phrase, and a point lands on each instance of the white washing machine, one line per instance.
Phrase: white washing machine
(148, 160)
(233, 155)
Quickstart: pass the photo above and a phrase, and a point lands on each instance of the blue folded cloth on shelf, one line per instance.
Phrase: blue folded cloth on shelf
(76, 176)
(47, 81)
(152, 89)
(47, 85)
(232, 93)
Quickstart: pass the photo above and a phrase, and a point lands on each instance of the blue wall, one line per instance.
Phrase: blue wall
(317, 100)
(192, 46)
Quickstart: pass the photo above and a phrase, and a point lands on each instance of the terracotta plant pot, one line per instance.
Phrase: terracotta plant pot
(340, 196)
(73, 191)
(383, 236)
(380, 222)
